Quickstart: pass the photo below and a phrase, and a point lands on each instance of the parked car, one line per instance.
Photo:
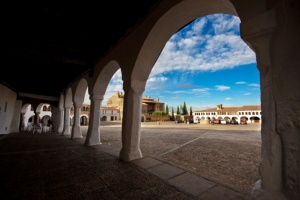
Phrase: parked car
(178, 121)
(234, 122)
(243, 122)
(223, 121)
(196, 121)
(216, 121)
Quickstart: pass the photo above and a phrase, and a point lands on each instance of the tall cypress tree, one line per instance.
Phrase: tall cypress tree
(191, 112)
(172, 113)
(184, 109)
(167, 109)
(178, 110)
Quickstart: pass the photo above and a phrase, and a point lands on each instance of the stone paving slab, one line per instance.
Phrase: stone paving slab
(165, 171)
(147, 162)
(191, 183)
(223, 192)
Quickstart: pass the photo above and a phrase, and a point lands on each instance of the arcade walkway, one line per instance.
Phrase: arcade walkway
(50, 166)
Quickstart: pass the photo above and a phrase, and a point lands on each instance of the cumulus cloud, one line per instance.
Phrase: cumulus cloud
(185, 85)
(197, 48)
(179, 92)
(228, 99)
(222, 87)
(254, 85)
(240, 82)
(201, 91)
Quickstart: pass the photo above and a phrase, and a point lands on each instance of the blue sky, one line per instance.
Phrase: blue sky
(204, 64)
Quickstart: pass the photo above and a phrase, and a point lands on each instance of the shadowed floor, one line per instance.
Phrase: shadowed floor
(50, 166)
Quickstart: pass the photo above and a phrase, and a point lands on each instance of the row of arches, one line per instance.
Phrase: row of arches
(261, 27)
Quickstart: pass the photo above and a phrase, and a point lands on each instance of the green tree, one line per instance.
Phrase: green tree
(167, 109)
(158, 112)
(178, 110)
(184, 109)
(172, 113)
(191, 112)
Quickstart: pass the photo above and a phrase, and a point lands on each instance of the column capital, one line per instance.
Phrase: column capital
(257, 32)
(136, 85)
(259, 26)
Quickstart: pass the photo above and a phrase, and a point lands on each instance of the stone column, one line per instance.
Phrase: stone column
(15, 125)
(66, 130)
(61, 121)
(277, 50)
(131, 122)
(37, 117)
(93, 133)
(76, 130)
(23, 122)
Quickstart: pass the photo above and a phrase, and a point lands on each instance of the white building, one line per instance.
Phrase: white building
(28, 114)
(110, 114)
(250, 114)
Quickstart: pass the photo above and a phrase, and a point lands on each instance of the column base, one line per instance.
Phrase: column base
(259, 193)
(130, 154)
(90, 143)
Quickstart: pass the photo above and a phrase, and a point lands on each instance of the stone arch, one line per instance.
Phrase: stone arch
(79, 92)
(98, 90)
(78, 99)
(84, 120)
(159, 35)
(68, 98)
(255, 119)
(25, 107)
(171, 21)
(104, 77)
(104, 118)
(174, 19)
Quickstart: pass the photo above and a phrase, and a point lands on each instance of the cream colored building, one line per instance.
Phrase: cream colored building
(107, 114)
(149, 105)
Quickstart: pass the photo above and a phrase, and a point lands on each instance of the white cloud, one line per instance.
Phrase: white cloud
(254, 85)
(228, 99)
(178, 92)
(240, 82)
(205, 51)
(201, 91)
(248, 93)
(155, 82)
(222, 87)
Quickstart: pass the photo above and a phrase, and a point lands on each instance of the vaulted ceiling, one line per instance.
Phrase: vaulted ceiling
(47, 45)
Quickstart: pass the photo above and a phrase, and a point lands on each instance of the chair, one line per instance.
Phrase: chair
(46, 128)
(29, 126)
(37, 127)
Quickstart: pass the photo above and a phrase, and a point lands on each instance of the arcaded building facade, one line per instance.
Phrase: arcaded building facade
(250, 114)
(272, 31)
